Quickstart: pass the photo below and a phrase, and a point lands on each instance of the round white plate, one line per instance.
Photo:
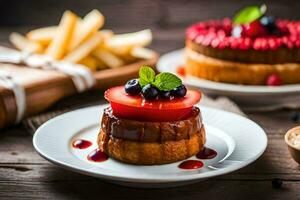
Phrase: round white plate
(265, 97)
(237, 140)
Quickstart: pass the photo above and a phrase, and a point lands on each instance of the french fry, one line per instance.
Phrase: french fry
(100, 64)
(77, 40)
(89, 25)
(106, 33)
(57, 47)
(90, 62)
(142, 53)
(23, 44)
(84, 49)
(107, 57)
(42, 35)
(121, 51)
(129, 40)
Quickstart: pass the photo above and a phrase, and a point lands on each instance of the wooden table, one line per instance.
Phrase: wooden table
(24, 174)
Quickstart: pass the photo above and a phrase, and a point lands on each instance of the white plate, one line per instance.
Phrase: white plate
(265, 97)
(238, 141)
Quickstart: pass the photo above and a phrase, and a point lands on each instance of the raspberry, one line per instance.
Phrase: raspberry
(254, 29)
(289, 44)
(297, 43)
(245, 43)
(226, 22)
(293, 38)
(284, 39)
(257, 44)
(211, 29)
(278, 42)
(264, 44)
(206, 41)
(274, 80)
(221, 34)
(234, 43)
(222, 45)
(199, 39)
(201, 25)
(272, 44)
(215, 42)
(298, 28)
(191, 34)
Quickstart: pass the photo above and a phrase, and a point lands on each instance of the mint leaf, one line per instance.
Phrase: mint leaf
(166, 81)
(147, 75)
(249, 14)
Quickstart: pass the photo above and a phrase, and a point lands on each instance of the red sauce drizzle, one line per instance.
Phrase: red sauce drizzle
(180, 70)
(97, 156)
(81, 144)
(191, 164)
(206, 153)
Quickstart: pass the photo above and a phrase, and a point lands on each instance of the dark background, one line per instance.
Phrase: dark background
(163, 17)
(137, 13)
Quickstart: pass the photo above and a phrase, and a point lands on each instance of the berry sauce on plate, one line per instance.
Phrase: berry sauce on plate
(190, 164)
(97, 156)
(81, 144)
(206, 153)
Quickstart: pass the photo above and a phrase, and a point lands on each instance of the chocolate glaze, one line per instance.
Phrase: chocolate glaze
(151, 131)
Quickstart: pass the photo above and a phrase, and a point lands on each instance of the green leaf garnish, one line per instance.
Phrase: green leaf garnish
(249, 14)
(147, 75)
(166, 81)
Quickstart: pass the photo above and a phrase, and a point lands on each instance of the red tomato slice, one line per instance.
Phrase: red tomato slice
(135, 107)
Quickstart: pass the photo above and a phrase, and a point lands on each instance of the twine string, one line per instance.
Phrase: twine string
(81, 76)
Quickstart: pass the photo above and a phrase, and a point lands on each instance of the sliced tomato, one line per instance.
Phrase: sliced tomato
(135, 107)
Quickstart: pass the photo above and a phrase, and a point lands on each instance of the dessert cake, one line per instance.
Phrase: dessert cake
(152, 120)
(252, 49)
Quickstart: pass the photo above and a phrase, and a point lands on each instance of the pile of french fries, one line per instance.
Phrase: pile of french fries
(82, 41)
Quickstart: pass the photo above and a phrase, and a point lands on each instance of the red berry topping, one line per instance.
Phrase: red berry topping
(272, 44)
(257, 44)
(264, 44)
(274, 80)
(254, 29)
(215, 42)
(264, 34)
(158, 110)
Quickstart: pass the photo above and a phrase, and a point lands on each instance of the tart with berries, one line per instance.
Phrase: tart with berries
(251, 49)
(152, 120)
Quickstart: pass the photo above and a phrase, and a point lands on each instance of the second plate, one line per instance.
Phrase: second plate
(250, 97)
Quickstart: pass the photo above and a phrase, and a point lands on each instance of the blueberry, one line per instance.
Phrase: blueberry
(294, 116)
(277, 183)
(179, 91)
(270, 23)
(133, 87)
(149, 92)
(165, 94)
(267, 20)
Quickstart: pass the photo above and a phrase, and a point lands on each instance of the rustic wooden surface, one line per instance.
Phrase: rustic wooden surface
(25, 175)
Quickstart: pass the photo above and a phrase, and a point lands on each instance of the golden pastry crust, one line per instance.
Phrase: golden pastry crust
(151, 153)
(219, 70)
